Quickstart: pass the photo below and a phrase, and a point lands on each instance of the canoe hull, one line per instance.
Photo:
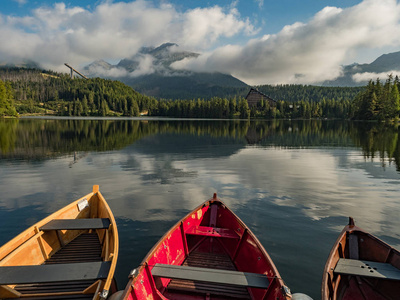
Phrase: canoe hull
(212, 237)
(357, 245)
(36, 246)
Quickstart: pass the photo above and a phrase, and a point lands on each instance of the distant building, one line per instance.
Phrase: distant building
(254, 97)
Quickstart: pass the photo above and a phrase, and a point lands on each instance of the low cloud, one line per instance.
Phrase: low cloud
(53, 35)
(307, 52)
(367, 76)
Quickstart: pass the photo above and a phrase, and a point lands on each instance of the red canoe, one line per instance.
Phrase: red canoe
(361, 266)
(209, 254)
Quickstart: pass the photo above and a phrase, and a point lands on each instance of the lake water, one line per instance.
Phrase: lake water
(293, 183)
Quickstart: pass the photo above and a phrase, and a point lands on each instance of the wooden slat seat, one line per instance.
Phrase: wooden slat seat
(211, 275)
(54, 272)
(212, 232)
(76, 224)
(367, 269)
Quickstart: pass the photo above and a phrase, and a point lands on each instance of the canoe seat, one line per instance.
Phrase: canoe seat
(211, 275)
(367, 269)
(54, 273)
(76, 224)
(212, 232)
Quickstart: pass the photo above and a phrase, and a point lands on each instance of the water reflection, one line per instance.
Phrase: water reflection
(293, 183)
(43, 138)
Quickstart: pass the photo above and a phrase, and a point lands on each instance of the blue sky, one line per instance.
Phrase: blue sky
(258, 41)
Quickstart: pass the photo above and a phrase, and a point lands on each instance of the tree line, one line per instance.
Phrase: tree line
(378, 101)
(36, 91)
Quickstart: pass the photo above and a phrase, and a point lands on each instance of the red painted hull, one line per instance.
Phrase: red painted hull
(355, 244)
(211, 237)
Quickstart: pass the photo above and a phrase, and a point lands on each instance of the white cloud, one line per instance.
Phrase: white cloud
(307, 52)
(260, 3)
(145, 66)
(52, 35)
(367, 76)
(300, 53)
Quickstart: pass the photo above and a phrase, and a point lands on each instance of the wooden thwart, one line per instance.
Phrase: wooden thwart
(54, 273)
(76, 224)
(367, 269)
(211, 275)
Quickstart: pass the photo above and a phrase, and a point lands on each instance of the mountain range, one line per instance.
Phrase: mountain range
(385, 63)
(150, 72)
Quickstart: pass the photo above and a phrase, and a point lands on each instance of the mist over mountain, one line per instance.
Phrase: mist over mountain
(359, 74)
(150, 72)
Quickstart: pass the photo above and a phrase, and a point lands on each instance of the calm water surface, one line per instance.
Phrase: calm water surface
(293, 183)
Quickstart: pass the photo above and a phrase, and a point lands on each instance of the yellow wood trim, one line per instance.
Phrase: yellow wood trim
(93, 288)
(25, 245)
(106, 247)
(51, 294)
(115, 242)
(107, 244)
(110, 257)
(95, 189)
(40, 241)
(7, 292)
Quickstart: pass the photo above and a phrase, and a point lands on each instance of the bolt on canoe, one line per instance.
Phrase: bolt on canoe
(361, 266)
(71, 254)
(209, 254)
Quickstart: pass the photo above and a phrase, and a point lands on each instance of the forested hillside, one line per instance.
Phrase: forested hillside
(35, 91)
(312, 93)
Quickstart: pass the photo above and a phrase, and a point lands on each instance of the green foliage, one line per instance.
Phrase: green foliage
(377, 101)
(310, 93)
(39, 91)
(7, 107)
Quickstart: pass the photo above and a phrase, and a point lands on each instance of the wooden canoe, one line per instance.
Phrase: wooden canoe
(71, 254)
(209, 254)
(361, 266)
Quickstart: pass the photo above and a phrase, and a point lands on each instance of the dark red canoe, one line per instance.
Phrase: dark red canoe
(209, 254)
(361, 267)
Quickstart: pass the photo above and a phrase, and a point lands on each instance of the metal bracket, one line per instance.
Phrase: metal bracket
(133, 273)
(104, 294)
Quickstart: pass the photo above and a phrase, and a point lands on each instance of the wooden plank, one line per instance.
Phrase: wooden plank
(54, 272)
(212, 232)
(211, 275)
(353, 246)
(213, 215)
(367, 269)
(76, 224)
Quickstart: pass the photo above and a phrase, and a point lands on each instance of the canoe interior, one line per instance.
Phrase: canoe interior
(64, 248)
(210, 237)
(356, 244)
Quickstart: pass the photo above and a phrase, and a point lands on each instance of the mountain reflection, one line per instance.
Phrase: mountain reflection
(40, 139)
